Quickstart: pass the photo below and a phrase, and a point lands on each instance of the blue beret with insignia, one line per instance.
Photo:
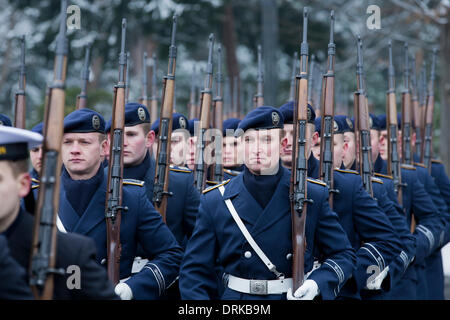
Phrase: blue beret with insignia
(135, 113)
(38, 128)
(287, 110)
(230, 124)
(5, 121)
(15, 142)
(84, 120)
(382, 121)
(374, 122)
(264, 117)
(179, 121)
(340, 124)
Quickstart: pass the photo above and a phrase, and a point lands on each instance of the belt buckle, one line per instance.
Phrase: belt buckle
(258, 287)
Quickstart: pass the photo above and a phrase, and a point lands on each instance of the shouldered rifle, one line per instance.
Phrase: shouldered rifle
(327, 120)
(20, 105)
(200, 164)
(362, 127)
(393, 162)
(298, 194)
(82, 97)
(311, 92)
(154, 97)
(294, 73)
(427, 146)
(161, 184)
(43, 246)
(417, 117)
(114, 206)
(217, 171)
(406, 114)
(144, 99)
(259, 97)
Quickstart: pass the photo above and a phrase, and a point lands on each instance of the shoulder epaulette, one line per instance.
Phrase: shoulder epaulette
(134, 182)
(35, 186)
(233, 173)
(420, 164)
(383, 175)
(35, 180)
(346, 171)
(436, 161)
(316, 181)
(216, 186)
(408, 166)
(377, 180)
(180, 169)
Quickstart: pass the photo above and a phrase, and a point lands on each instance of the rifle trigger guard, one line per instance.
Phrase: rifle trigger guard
(335, 191)
(168, 193)
(57, 271)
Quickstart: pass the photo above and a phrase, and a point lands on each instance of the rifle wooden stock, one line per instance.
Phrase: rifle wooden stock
(298, 186)
(20, 103)
(43, 246)
(161, 184)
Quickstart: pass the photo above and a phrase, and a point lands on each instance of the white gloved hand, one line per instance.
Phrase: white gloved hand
(307, 291)
(123, 291)
(375, 284)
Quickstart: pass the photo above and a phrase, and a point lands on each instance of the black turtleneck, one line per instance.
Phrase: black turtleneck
(80, 192)
(139, 171)
(239, 167)
(262, 187)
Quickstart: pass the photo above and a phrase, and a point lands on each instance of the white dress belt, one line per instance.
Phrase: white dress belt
(259, 287)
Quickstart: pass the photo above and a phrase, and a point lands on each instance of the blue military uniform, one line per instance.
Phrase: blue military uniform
(182, 205)
(361, 218)
(13, 285)
(141, 223)
(218, 242)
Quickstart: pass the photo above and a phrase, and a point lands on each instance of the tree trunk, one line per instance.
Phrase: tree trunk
(269, 25)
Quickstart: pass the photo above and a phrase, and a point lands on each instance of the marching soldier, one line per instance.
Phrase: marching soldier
(192, 143)
(139, 165)
(231, 149)
(17, 227)
(359, 214)
(258, 228)
(82, 210)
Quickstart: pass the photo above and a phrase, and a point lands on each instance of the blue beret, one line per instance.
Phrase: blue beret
(264, 117)
(231, 123)
(38, 128)
(340, 124)
(5, 121)
(135, 113)
(84, 120)
(191, 125)
(179, 121)
(374, 123)
(287, 110)
(382, 121)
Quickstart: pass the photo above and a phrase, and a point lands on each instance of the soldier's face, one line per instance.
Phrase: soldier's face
(82, 154)
(36, 158)
(349, 148)
(262, 151)
(136, 144)
(383, 144)
(179, 147)
(338, 151)
(231, 151)
(12, 188)
(315, 148)
(286, 149)
(190, 158)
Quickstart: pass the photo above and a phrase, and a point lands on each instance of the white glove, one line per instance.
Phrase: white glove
(307, 291)
(123, 291)
(375, 284)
